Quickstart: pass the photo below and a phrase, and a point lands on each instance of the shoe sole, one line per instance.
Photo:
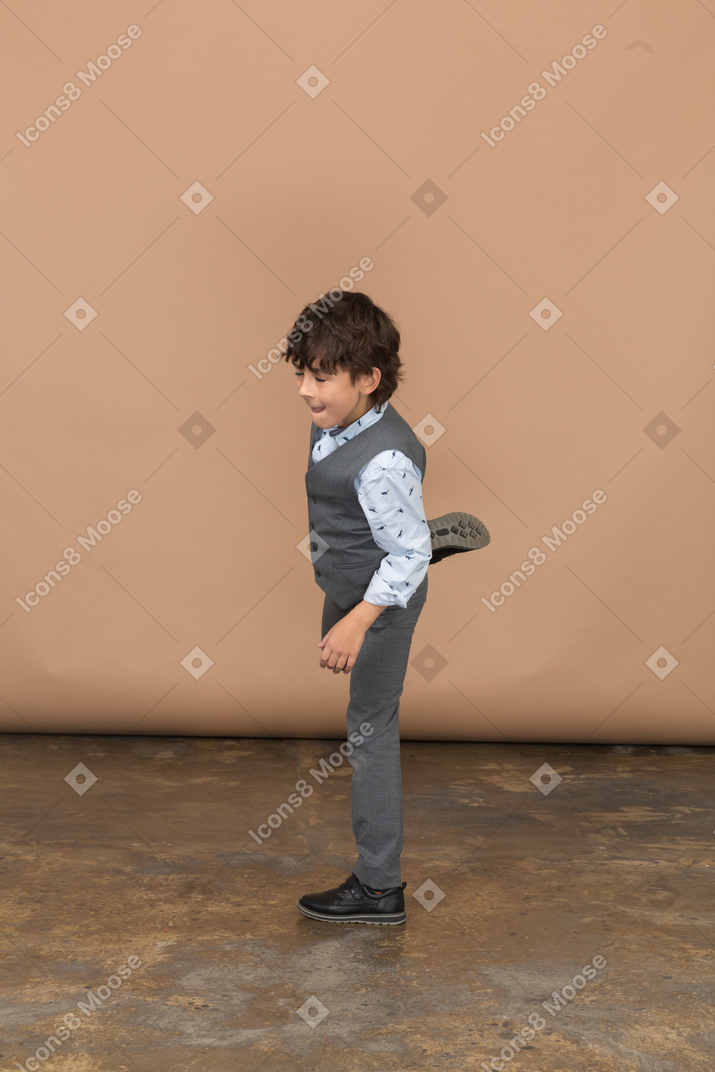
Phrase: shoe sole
(388, 919)
(455, 532)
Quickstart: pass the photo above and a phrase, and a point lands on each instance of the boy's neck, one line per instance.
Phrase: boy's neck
(360, 410)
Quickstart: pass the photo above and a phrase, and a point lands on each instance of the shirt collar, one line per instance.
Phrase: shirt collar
(357, 426)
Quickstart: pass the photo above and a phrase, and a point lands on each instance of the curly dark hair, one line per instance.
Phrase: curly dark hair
(345, 329)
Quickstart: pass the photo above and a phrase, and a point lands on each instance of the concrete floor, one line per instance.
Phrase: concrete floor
(154, 861)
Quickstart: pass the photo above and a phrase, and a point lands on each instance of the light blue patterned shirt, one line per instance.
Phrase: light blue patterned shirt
(389, 489)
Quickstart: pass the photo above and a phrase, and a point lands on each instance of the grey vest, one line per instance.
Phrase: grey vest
(345, 555)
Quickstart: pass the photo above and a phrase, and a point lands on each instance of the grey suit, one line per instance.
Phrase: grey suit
(345, 556)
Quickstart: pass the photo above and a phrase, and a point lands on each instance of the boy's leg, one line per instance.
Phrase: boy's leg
(376, 683)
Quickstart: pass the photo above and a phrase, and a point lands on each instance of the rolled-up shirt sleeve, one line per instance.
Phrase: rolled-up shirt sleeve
(389, 489)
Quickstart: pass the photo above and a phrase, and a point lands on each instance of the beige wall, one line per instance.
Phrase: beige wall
(181, 296)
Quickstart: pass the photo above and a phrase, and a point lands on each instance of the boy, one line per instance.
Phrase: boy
(371, 546)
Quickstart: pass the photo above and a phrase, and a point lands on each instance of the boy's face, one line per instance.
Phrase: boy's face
(332, 398)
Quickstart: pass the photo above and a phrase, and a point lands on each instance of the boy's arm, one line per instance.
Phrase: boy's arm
(389, 489)
(366, 613)
(390, 493)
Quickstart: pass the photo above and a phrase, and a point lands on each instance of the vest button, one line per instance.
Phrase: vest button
(313, 546)
(317, 573)
(312, 525)
(314, 500)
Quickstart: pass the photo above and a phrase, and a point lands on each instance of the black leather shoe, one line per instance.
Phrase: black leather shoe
(352, 903)
(456, 532)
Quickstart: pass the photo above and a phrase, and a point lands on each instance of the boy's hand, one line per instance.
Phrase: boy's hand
(341, 645)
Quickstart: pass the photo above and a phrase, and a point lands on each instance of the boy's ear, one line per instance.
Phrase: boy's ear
(376, 385)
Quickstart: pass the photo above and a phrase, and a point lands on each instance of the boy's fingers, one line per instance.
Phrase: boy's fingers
(342, 663)
(336, 661)
(330, 660)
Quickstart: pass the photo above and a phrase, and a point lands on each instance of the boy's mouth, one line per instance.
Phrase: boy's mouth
(317, 409)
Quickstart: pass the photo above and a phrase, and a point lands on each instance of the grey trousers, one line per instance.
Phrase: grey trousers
(376, 683)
